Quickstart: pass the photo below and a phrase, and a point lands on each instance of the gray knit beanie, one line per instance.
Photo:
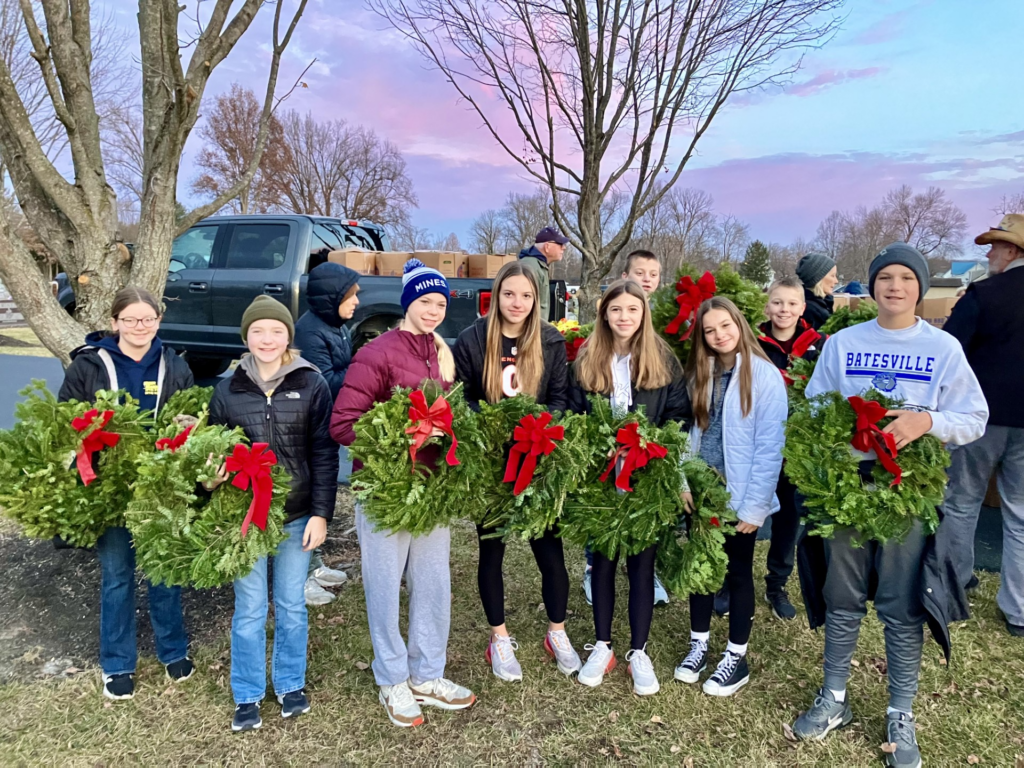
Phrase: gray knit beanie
(812, 268)
(905, 255)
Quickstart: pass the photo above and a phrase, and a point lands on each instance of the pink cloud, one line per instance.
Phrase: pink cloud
(831, 77)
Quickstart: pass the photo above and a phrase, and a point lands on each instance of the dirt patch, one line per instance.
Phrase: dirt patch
(49, 602)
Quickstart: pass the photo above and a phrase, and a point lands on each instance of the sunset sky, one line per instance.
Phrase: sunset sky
(926, 92)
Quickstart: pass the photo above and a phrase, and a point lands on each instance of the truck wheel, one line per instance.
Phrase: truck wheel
(207, 367)
(371, 328)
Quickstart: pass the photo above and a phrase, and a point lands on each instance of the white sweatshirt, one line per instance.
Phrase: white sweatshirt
(921, 365)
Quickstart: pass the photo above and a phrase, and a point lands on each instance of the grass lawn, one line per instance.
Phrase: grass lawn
(971, 713)
(22, 341)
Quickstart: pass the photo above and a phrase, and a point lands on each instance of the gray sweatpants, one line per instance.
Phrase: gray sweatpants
(1000, 449)
(423, 560)
(897, 602)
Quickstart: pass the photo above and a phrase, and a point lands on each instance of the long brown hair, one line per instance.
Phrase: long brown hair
(703, 368)
(650, 362)
(529, 349)
(132, 294)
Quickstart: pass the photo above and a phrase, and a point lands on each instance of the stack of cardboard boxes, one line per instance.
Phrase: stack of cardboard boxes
(391, 263)
(934, 311)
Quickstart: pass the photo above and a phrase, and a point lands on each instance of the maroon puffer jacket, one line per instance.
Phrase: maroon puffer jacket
(394, 359)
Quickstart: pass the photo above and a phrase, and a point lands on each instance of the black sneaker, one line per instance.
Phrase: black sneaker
(1015, 630)
(294, 704)
(180, 671)
(731, 675)
(247, 718)
(696, 661)
(781, 607)
(722, 602)
(119, 687)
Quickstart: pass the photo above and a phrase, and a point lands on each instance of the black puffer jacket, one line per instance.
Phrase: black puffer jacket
(668, 403)
(89, 373)
(818, 310)
(553, 390)
(295, 421)
(320, 333)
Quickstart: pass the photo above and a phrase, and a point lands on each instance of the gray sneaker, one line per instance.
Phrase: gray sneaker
(824, 716)
(501, 655)
(903, 733)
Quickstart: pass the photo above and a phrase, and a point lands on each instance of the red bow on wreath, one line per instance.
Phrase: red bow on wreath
(533, 439)
(96, 441)
(172, 444)
(253, 466)
(425, 420)
(690, 296)
(636, 452)
(867, 436)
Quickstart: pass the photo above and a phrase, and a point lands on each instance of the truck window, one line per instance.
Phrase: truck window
(193, 249)
(324, 241)
(258, 246)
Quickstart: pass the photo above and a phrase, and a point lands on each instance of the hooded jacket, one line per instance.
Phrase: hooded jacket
(536, 263)
(818, 310)
(320, 334)
(777, 353)
(294, 421)
(99, 364)
(469, 351)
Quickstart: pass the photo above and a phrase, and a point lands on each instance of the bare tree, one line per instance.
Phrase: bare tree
(487, 232)
(316, 162)
(1010, 204)
(732, 239)
(929, 221)
(76, 217)
(606, 94)
(525, 215)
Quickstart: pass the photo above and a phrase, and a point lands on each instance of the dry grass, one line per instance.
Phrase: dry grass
(976, 708)
(21, 337)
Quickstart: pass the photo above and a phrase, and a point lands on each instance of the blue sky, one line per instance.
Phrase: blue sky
(922, 92)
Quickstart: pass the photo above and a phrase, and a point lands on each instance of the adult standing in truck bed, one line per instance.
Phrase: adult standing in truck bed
(548, 246)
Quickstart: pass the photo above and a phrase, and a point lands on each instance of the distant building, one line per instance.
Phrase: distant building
(966, 271)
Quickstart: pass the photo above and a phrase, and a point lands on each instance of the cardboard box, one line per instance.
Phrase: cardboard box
(390, 263)
(443, 262)
(839, 301)
(363, 262)
(510, 257)
(485, 266)
(461, 265)
(936, 311)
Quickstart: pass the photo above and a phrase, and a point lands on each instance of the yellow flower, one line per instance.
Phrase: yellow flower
(567, 325)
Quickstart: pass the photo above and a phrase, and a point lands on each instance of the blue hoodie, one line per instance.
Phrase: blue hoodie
(140, 379)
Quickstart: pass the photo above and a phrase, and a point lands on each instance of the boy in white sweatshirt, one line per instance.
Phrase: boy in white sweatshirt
(907, 359)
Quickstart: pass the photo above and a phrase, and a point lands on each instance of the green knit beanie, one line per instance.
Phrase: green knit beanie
(267, 308)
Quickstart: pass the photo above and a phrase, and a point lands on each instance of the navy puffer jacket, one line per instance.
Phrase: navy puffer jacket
(320, 335)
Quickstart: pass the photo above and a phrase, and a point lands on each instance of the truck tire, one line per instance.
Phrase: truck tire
(373, 327)
(207, 367)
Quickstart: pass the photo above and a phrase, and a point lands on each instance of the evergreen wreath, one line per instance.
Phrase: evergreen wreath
(844, 317)
(538, 507)
(746, 295)
(41, 482)
(398, 494)
(691, 557)
(625, 523)
(191, 402)
(184, 535)
(820, 462)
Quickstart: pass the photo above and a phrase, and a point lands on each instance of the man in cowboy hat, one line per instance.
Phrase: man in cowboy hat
(989, 322)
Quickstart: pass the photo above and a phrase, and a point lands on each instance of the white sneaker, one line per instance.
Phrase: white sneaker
(315, 594)
(586, 586)
(501, 655)
(329, 577)
(560, 649)
(660, 593)
(443, 694)
(400, 705)
(645, 682)
(600, 662)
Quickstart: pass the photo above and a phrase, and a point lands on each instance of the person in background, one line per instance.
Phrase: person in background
(817, 272)
(643, 268)
(548, 247)
(324, 341)
(989, 323)
(131, 358)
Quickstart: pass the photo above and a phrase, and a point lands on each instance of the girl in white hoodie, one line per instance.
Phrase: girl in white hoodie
(739, 409)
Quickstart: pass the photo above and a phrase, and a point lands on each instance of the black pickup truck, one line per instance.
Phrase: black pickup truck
(222, 263)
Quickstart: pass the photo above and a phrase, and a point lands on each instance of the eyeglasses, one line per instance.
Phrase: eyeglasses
(134, 322)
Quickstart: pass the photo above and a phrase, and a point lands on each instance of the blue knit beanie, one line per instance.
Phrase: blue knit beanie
(419, 280)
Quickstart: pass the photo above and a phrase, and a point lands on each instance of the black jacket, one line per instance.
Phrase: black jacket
(90, 372)
(777, 354)
(320, 334)
(553, 390)
(988, 321)
(818, 310)
(296, 422)
(668, 403)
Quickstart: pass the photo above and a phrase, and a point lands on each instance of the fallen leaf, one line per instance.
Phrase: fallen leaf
(362, 665)
(855, 662)
(216, 667)
(540, 608)
(656, 719)
(72, 671)
(108, 704)
(603, 751)
(336, 620)
(787, 731)
(973, 759)
(613, 716)
(615, 747)
(889, 748)
(673, 749)
(688, 762)
(31, 657)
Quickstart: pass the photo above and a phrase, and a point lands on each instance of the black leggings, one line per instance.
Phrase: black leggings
(785, 526)
(740, 581)
(640, 569)
(547, 551)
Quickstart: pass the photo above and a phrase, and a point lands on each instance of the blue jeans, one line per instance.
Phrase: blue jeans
(118, 653)
(291, 627)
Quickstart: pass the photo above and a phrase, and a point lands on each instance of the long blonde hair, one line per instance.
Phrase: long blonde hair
(703, 368)
(651, 357)
(529, 348)
(445, 360)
